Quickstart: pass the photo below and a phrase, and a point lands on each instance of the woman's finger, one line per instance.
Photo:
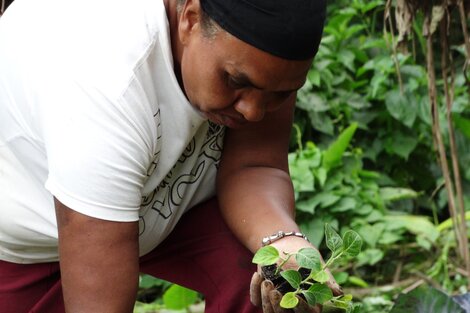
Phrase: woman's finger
(266, 287)
(275, 297)
(255, 289)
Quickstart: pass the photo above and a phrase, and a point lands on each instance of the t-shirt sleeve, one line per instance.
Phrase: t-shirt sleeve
(99, 146)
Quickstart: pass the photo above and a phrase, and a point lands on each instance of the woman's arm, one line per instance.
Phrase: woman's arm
(99, 262)
(254, 187)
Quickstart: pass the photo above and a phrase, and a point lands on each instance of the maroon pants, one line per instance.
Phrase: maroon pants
(201, 253)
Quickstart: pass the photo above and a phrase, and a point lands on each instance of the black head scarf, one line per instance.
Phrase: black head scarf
(290, 29)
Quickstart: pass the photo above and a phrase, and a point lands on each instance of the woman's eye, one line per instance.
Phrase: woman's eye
(284, 94)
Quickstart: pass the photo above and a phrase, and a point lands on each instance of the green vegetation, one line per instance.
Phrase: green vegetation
(381, 146)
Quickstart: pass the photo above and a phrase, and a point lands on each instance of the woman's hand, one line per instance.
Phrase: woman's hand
(264, 294)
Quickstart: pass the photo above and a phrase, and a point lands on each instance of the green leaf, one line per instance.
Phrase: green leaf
(310, 297)
(314, 77)
(302, 176)
(358, 281)
(308, 258)
(289, 300)
(388, 238)
(370, 257)
(313, 228)
(321, 122)
(423, 242)
(371, 5)
(401, 107)
(333, 155)
(321, 174)
(292, 277)
(364, 210)
(341, 277)
(321, 292)
(394, 194)
(355, 308)
(377, 83)
(308, 205)
(147, 281)
(341, 303)
(325, 199)
(333, 239)
(352, 243)
(418, 225)
(178, 298)
(346, 57)
(426, 299)
(320, 276)
(371, 233)
(347, 297)
(266, 256)
(462, 124)
(401, 144)
(345, 204)
(309, 101)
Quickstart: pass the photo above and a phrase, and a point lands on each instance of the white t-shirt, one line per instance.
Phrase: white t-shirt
(91, 113)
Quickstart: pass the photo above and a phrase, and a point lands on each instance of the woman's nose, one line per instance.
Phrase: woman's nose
(252, 106)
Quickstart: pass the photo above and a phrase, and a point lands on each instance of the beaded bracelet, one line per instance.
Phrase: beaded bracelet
(281, 234)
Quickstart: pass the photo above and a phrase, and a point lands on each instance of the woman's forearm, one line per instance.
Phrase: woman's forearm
(257, 202)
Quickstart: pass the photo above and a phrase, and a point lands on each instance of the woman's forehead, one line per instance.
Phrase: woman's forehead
(260, 69)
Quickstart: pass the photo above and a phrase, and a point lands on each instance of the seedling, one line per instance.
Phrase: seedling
(310, 280)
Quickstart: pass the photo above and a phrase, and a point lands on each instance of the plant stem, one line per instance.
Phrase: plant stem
(331, 260)
(284, 261)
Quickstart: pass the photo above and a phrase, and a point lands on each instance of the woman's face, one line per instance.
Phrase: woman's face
(232, 82)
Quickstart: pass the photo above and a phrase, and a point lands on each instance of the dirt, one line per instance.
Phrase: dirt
(269, 272)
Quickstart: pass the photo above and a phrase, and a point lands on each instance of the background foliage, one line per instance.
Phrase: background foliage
(363, 155)
(385, 181)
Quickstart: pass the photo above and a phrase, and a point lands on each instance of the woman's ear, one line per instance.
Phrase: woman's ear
(189, 20)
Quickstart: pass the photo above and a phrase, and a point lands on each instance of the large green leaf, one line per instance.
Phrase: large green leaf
(352, 243)
(401, 107)
(293, 278)
(266, 256)
(333, 155)
(426, 300)
(178, 298)
(309, 258)
(323, 199)
(401, 144)
(418, 225)
(321, 292)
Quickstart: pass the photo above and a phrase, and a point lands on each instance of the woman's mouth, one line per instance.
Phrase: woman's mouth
(226, 120)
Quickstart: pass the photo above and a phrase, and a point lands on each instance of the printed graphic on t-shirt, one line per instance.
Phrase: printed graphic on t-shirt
(156, 156)
(182, 180)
